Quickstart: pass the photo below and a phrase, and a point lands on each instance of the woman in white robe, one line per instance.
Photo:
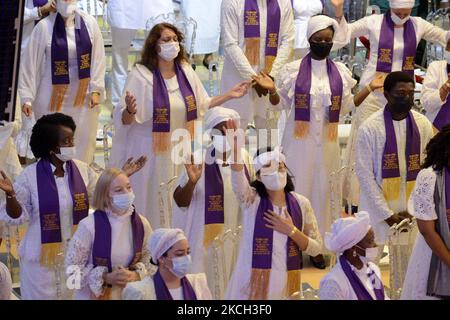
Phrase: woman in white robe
(370, 27)
(35, 80)
(114, 196)
(353, 241)
(133, 117)
(170, 251)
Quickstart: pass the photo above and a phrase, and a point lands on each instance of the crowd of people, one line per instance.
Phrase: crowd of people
(102, 236)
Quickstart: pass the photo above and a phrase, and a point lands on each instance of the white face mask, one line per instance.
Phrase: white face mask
(181, 266)
(122, 202)
(221, 143)
(67, 153)
(169, 51)
(397, 20)
(447, 56)
(275, 181)
(66, 9)
(371, 253)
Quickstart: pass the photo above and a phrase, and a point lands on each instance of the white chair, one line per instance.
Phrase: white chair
(165, 196)
(439, 18)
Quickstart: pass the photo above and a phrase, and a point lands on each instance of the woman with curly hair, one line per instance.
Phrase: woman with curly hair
(428, 275)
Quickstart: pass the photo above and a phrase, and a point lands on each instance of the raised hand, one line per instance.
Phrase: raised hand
(264, 81)
(194, 171)
(337, 3)
(236, 139)
(131, 167)
(377, 82)
(6, 184)
(130, 102)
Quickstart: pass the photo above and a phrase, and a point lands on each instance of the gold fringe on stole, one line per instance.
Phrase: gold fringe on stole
(391, 188)
(252, 50)
(332, 131)
(269, 63)
(293, 282)
(81, 92)
(190, 127)
(435, 131)
(57, 99)
(301, 129)
(161, 142)
(107, 293)
(211, 232)
(409, 188)
(51, 254)
(259, 284)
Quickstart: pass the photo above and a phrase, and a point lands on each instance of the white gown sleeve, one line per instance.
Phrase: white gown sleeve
(93, 177)
(330, 290)
(245, 194)
(311, 230)
(30, 15)
(79, 250)
(347, 96)
(230, 35)
(23, 196)
(285, 84)
(434, 34)
(422, 198)
(431, 99)
(98, 60)
(364, 170)
(287, 38)
(346, 32)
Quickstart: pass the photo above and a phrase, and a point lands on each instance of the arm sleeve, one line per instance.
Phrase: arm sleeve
(422, 198)
(30, 15)
(23, 196)
(434, 34)
(245, 194)
(431, 99)
(98, 62)
(346, 32)
(311, 230)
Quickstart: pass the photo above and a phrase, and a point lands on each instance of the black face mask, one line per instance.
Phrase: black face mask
(402, 104)
(320, 49)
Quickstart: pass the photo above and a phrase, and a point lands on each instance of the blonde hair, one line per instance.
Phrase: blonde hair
(101, 199)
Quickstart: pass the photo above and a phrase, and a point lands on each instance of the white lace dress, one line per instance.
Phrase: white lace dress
(421, 205)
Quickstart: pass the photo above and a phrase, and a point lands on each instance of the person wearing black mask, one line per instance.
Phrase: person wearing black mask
(389, 151)
(318, 91)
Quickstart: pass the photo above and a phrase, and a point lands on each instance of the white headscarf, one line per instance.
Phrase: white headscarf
(216, 115)
(5, 283)
(320, 22)
(162, 240)
(346, 232)
(401, 4)
(266, 157)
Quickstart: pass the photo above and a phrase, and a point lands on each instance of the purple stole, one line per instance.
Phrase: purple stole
(447, 194)
(252, 32)
(263, 248)
(443, 116)
(163, 293)
(214, 198)
(60, 63)
(39, 3)
(102, 246)
(303, 99)
(390, 163)
(359, 289)
(386, 46)
(161, 108)
(51, 238)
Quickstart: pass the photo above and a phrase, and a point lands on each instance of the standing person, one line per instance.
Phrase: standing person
(393, 40)
(34, 11)
(63, 70)
(315, 91)
(163, 94)
(173, 279)
(258, 35)
(355, 275)
(125, 18)
(428, 274)
(389, 152)
(109, 247)
(205, 205)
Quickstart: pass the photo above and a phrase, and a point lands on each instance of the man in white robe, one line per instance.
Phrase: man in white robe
(125, 18)
(237, 67)
(370, 27)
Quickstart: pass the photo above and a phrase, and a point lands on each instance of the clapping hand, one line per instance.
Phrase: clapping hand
(131, 167)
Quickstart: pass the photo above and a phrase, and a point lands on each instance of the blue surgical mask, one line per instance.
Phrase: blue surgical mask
(181, 266)
(122, 202)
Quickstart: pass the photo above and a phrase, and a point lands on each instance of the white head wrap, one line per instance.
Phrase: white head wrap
(401, 4)
(216, 115)
(265, 158)
(5, 283)
(346, 232)
(320, 22)
(162, 240)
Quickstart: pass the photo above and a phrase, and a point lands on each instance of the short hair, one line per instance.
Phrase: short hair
(438, 150)
(395, 77)
(44, 136)
(101, 199)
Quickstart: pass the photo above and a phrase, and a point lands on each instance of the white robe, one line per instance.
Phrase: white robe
(421, 205)
(436, 77)
(249, 200)
(35, 80)
(126, 14)
(320, 157)
(30, 17)
(303, 10)
(136, 139)
(145, 289)
(207, 16)
(191, 220)
(80, 248)
(336, 286)
(369, 156)
(39, 282)
(237, 68)
(370, 27)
